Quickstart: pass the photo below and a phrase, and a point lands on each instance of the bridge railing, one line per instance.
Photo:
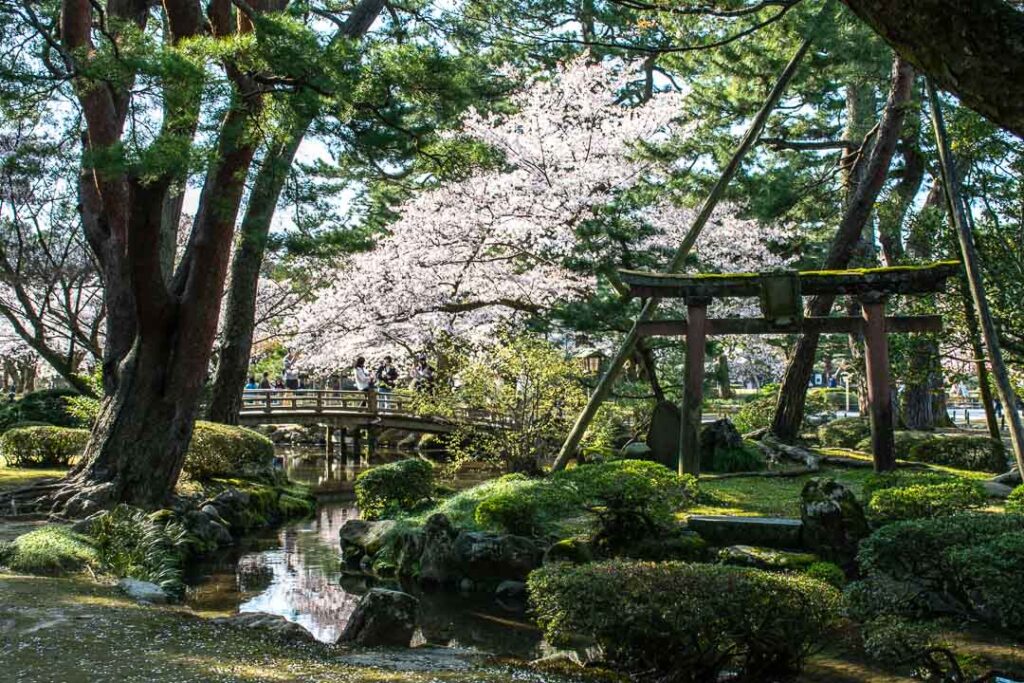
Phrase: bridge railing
(371, 403)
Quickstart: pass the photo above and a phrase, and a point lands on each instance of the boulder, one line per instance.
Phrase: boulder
(437, 559)
(994, 489)
(269, 623)
(511, 595)
(636, 450)
(207, 530)
(363, 537)
(765, 558)
(717, 437)
(663, 435)
(382, 617)
(485, 556)
(232, 507)
(143, 591)
(1011, 478)
(833, 521)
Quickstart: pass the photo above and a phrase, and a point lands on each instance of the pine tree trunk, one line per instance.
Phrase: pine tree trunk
(789, 410)
(918, 404)
(138, 444)
(240, 311)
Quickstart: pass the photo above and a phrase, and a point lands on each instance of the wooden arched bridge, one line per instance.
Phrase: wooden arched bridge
(355, 412)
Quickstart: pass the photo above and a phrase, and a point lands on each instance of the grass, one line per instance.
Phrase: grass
(50, 549)
(780, 496)
(77, 630)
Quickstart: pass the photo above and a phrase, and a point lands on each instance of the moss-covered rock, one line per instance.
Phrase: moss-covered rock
(722, 449)
(833, 520)
(765, 558)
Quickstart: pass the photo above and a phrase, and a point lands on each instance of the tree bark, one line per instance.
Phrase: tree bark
(789, 409)
(974, 50)
(161, 329)
(240, 311)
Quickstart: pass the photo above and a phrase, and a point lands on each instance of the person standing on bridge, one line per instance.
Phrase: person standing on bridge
(386, 376)
(265, 382)
(364, 381)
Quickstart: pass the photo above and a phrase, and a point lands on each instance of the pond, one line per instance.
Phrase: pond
(295, 571)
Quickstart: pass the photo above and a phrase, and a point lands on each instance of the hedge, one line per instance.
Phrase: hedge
(976, 453)
(42, 446)
(844, 432)
(48, 406)
(939, 566)
(686, 622)
(925, 500)
(903, 441)
(218, 450)
(394, 487)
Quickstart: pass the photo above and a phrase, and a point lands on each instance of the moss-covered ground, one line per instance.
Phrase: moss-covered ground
(15, 477)
(74, 630)
(780, 496)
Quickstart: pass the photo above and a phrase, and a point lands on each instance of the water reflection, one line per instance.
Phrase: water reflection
(294, 571)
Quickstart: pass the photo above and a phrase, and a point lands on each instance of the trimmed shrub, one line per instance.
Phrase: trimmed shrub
(1015, 503)
(990, 576)
(903, 441)
(927, 500)
(48, 406)
(903, 478)
(828, 572)
(893, 641)
(50, 550)
(148, 547)
(388, 489)
(509, 511)
(686, 622)
(976, 453)
(42, 446)
(844, 432)
(554, 506)
(218, 450)
(925, 566)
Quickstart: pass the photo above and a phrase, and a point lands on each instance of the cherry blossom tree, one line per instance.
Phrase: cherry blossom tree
(468, 257)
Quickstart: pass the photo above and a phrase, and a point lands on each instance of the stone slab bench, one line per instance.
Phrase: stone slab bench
(771, 532)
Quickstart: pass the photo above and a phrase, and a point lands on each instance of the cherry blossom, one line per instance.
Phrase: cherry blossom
(467, 257)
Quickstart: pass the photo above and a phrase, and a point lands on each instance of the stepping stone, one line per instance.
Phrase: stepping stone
(771, 532)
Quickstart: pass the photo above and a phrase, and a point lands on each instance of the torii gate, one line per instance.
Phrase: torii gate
(781, 295)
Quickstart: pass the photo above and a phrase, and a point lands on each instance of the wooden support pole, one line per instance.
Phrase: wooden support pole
(357, 445)
(876, 361)
(604, 385)
(693, 389)
(973, 271)
(344, 445)
(328, 450)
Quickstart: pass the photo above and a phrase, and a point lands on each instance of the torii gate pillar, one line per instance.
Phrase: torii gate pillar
(693, 387)
(876, 357)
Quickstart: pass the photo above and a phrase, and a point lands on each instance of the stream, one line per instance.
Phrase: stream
(294, 570)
